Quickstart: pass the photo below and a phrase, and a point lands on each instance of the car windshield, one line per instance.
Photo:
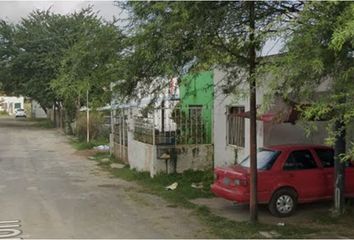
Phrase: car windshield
(265, 159)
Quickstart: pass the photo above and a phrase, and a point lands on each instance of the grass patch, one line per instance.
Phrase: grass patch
(4, 113)
(220, 227)
(181, 194)
(225, 228)
(217, 226)
(41, 122)
(83, 145)
(328, 218)
(44, 123)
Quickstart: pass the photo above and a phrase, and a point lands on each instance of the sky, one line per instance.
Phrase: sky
(13, 10)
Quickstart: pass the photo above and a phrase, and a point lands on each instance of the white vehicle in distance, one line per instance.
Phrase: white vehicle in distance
(20, 113)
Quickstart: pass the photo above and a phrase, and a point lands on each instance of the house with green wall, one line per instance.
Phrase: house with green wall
(196, 93)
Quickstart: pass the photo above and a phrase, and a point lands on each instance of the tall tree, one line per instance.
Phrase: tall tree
(319, 52)
(171, 38)
(53, 58)
(36, 51)
(90, 64)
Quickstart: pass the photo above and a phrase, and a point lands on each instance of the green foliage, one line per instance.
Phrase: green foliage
(44, 123)
(318, 66)
(318, 71)
(4, 113)
(344, 32)
(172, 38)
(36, 49)
(81, 144)
(184, 190)
(91, 63)
(55, 59)
(217, 226)
(96, 123)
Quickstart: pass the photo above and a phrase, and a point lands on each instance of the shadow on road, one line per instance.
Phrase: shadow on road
(12, 122)
(304, 213)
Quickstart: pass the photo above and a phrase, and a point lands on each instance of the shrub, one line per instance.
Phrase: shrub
(98, 130)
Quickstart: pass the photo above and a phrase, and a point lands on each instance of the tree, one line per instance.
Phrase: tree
(89, 65)
(36, 50)
(172, 38)
(54, 58)
(319, 52)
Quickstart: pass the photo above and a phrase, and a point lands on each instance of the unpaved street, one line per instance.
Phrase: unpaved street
(56, 193)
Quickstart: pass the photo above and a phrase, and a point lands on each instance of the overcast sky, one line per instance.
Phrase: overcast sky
(14, 10)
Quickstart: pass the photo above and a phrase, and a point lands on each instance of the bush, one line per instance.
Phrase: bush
(3, 113)
(98, 130)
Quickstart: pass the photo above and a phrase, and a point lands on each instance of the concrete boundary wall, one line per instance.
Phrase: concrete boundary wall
(194, 157)
(142, 157)
(121, 152)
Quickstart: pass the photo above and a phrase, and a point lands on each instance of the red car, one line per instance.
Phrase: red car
(287, 175)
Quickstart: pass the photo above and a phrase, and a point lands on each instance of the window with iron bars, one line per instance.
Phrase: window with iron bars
(190, 125)
(236, 126)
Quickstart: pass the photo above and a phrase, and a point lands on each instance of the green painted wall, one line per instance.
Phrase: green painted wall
(197, 89)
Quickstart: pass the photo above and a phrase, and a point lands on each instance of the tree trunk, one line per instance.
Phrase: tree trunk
(68, 121)
(57, 114)
(54, 115)
(253, 115)
(339, 179)
(44, 108)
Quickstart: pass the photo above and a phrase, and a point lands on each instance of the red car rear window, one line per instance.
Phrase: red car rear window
(265, 159)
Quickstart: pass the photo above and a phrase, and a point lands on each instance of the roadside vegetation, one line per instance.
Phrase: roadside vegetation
(69, 61)
(82, 144)
(184, 193)
(99, 131)
(43, 123)
(40, 122)
(3, 113)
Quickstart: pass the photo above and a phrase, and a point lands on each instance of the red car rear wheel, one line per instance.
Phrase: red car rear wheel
(283, 202)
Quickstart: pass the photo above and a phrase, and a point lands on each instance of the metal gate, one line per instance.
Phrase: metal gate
(120, 134)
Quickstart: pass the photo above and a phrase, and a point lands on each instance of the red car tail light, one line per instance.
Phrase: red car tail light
(240, 182)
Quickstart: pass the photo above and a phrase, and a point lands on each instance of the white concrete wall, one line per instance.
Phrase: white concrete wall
(8, 103)
(287, 133)
(194, 157)
(142, 156)
(267, 133)
(225, 154)
(37, 110)
(188, 157)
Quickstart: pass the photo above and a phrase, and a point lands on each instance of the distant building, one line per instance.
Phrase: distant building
(9, 104)
(36, 110)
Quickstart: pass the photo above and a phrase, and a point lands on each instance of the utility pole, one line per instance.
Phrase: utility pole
(253, 116)
(87, 117)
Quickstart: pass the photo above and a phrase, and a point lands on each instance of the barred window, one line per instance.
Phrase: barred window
(236, 126)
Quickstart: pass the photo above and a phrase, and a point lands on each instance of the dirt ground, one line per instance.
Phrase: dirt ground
(56, 193)
(316, 216)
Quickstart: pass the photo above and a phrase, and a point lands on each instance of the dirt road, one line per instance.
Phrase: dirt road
(56, 193)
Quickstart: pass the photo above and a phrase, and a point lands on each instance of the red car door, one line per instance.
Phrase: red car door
(326, 157)
(349, 180)
(301, 171)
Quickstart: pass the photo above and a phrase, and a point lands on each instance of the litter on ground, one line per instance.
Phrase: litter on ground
(102, 148)
(197, 185)
(172, 187)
